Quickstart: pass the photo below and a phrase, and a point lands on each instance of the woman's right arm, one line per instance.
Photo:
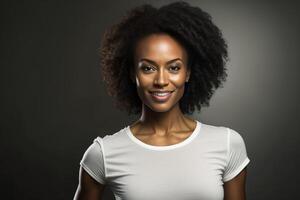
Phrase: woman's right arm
(88, 188)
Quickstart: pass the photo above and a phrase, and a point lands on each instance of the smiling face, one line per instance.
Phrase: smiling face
(160, 65)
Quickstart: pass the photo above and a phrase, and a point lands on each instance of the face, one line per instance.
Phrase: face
(160, 71)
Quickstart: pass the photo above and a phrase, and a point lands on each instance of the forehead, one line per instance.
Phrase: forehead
(160, 48)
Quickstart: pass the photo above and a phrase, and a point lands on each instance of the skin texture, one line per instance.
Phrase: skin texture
(88, 188)
(161, 123)
(235, 188)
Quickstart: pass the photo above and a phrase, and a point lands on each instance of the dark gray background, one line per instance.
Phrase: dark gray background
(53, 102)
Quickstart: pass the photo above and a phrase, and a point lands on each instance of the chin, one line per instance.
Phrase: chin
(161, 110)
(160, 107)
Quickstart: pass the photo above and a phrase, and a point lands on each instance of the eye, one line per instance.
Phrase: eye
(146, 68)
(175, 68)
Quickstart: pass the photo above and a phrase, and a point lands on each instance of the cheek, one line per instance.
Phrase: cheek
(143, 82)
(179, 84)
(178, 81)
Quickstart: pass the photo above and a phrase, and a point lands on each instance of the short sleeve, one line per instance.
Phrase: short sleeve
(93, 161)
(237, 158)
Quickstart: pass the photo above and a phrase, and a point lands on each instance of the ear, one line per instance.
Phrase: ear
(188, 75)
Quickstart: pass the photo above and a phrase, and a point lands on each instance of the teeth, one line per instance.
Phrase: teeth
(161, 94)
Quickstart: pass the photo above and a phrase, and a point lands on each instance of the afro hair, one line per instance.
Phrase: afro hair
(189, 25)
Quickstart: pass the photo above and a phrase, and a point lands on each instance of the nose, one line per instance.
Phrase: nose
(161, 79)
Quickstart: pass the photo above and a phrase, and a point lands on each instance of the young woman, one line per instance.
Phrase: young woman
(161, 64)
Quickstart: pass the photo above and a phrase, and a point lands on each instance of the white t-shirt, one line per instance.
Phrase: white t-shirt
(194, 169)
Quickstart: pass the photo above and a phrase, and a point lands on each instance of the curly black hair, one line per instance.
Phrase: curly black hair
(190, 26)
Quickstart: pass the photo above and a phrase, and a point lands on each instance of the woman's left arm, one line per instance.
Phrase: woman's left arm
(235, 189)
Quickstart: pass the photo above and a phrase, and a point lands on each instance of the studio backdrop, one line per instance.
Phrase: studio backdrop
(54, 103)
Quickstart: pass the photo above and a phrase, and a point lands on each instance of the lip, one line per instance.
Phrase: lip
(161, 98)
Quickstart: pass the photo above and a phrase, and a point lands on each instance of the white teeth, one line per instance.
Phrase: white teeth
(161, 94)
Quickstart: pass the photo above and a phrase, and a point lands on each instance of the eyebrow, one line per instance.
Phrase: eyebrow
(154, 63)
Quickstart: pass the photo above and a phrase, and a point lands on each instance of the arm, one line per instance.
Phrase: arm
(235, 188)
(88, 188)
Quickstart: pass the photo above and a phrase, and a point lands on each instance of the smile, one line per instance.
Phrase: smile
(161, 96)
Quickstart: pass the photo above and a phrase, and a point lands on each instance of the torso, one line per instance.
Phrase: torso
(193, 170)
(173, 137)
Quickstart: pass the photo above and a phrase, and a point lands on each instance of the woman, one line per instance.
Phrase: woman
(160, 64)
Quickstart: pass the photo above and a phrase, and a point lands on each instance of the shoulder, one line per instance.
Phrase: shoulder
(213, 131)
(219, 130)
(113, 139)
(234, 135)
(235, 140)
(222, 134)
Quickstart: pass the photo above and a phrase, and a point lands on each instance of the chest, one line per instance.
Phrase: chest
(180, 175)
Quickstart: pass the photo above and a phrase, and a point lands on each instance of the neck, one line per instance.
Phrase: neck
(163, 122)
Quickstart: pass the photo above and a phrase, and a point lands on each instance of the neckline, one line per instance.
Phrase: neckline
(168, 147)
